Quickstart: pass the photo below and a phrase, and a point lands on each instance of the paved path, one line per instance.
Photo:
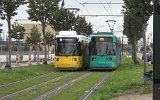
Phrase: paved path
(134, 97)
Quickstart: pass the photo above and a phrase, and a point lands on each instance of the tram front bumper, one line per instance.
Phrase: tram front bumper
(102, 65)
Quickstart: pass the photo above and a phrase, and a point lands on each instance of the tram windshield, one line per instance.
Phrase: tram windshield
(102, 46)
(67, 47)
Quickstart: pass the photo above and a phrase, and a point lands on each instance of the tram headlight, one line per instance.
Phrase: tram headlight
(110, 59)
(58, 59)
(74, 59)
(93, 59)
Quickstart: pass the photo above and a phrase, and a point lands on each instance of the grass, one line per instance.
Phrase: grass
(77, 90)
(24, 85)
(20, 73)
(127, 78)
(41, 90)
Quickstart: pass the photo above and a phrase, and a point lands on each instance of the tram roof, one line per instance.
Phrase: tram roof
(70, 34)
(110, 34)
(67, 33)
(103, 33)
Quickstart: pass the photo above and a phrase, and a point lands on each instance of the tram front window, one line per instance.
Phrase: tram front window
(67, 47)
(102, 46)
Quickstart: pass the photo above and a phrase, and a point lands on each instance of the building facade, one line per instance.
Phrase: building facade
(28, 25)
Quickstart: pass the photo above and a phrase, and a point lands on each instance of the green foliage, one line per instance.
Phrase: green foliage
(50, 38)
(17, 31)
(7, 11)
(41, 10)
(8, 8)
(26, 48)
(35, 37)
(136, 14)
(82, 26)
(66, 20)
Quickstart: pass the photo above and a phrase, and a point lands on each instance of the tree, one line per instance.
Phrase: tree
(34, 39)
(64, 20)
(0, 28)
(17, 31)
(133, 30)
(136, 15)
(41, 10)
(50, 39)
(82, 26)
(0, 32)
(7, 11)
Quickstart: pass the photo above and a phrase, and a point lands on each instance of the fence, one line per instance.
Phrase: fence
(24, 56)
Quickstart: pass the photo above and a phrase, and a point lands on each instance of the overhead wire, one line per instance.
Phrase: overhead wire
(85, 8)
(88, 12)
(104, 7)
(82, 6)
(106, 10)
(67, 4)
(110, 8)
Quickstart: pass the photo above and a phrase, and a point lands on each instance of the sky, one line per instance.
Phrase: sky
(99, 23)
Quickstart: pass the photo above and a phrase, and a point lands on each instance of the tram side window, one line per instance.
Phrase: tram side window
(92, 48)
(114, 48)
(79, 51)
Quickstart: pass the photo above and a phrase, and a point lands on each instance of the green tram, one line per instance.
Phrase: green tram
(105, 51)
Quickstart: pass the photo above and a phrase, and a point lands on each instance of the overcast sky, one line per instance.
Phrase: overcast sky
(98, 23)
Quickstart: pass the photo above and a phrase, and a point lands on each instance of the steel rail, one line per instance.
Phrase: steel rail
(61, 88)
(11, 96)
(96, 86)
(25, 80)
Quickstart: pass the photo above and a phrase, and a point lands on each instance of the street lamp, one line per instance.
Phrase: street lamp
(113, 21)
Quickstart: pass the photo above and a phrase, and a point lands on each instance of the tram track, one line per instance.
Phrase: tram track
(25, 80)
(61, 88)
(15, 94)
(96, 86)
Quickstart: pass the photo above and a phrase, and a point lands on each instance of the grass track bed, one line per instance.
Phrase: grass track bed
(77, 90)
(40, 91)
(15, 88)
(21, 73)
(25, 80)
(127, 77)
